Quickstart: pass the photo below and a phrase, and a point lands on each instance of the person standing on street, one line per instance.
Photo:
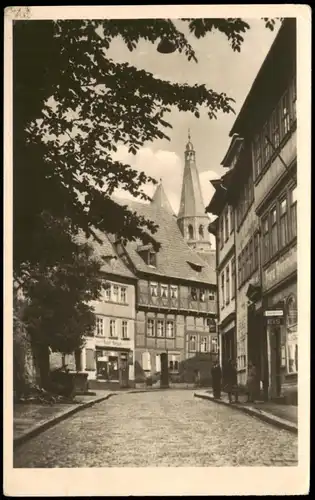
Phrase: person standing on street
(216, 380)
(231, 381)
(251, 383)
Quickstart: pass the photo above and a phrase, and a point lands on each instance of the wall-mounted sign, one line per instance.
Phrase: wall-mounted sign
(271, 313)
(280, 269)
(274, 321)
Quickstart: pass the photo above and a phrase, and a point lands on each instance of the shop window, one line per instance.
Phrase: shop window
(150, 327)
(160, 328)
(190, 232)
(124, 329)
(204, 344)
(153, 289)
(192, 343)
(112, 328)
(293, 217)
(99, 325)
(146, 361)
(170, 329)
(123, 295)
(89, 359)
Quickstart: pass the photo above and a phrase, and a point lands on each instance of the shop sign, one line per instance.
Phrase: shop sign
(280, 269)
(271, 313)
(108, 342)
(274, 321)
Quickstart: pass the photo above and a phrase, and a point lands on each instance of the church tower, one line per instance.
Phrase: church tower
(192, 219)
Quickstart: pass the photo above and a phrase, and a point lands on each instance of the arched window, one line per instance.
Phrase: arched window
(201, 232)
(190, 232)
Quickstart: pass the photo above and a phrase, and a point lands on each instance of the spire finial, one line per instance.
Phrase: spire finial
(189, 134)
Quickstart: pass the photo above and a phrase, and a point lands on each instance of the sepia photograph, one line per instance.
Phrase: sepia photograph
(156, 212)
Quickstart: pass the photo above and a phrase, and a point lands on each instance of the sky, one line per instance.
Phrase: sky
(220, 69)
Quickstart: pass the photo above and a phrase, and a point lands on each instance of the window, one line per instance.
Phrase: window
(255, 256)
(211, 295)
(201, 232)
(124, 329)
(227, 275)
(174, 292)
(170, 329)
(123, 295)
(164, 291)
(153, 289)
(239, 270)
(112, 328)
(204, 344)
(115, 293)
(190, 232)
(274, 231)
(160, 328)
(226, 222)
(266, 145)
(108, 293)
(292, 354)
(152, 258)
(293, 99)
(173, 364)
(233, 278)
(251, 263)
(257, 155)
(150, 327)
(265, 232)
(285, 116)
(245, 200)
(158, 363)
(89, 359)
(202, 295)
(222, 290)
(242, 267)
(214, 344)
(221, 232)
(194, 294)
(246, 263)
(293, 214)
(146, 361)
(275, 135)
(283, 222)
(291, 312)
(99, 325)
(231, 220)
(192, 343)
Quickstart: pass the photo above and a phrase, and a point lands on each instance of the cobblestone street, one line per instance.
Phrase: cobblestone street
(167, 428)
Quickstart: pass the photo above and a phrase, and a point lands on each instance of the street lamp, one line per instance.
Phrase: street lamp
(166, 46)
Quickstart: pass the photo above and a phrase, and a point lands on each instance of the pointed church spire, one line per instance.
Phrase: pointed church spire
(192, 219)
(160, 199)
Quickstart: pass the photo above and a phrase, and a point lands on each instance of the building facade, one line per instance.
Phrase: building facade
(261, 185)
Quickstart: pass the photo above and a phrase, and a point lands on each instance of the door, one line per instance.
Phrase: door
(124, 370)
(164, 370)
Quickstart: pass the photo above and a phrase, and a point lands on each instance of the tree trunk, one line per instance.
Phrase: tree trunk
(42, 364)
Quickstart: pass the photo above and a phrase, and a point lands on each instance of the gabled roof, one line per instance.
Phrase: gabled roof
(174, 256)
(111, 263)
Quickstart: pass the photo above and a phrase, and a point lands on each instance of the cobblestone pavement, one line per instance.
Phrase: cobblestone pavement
(167, 428)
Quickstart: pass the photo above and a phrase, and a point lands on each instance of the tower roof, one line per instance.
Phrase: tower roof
(160, 199)
(191, 203)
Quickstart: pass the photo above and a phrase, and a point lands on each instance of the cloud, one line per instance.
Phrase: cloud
(164, 165)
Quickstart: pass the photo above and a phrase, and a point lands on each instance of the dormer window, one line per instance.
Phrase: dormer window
(148, 254)
(195, 267)
(152, 258)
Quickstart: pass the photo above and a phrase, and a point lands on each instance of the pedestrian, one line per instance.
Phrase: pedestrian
(231, 381)
(251, 383)
(197, 378)
(216, 379)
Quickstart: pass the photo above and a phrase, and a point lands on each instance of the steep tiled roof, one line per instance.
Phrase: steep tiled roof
(160, 199)
(174, 259)
(105, 251)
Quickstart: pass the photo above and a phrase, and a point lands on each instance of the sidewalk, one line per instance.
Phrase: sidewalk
(283, 416)
(31, 419)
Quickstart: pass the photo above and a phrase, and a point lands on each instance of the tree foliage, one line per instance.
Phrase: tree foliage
(73, 105)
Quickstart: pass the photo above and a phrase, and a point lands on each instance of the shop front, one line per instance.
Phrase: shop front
(112, 366)
(281, 325)
(227, 340)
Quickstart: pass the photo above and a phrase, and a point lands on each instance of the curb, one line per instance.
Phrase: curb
(68, 412)
(260, 414)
